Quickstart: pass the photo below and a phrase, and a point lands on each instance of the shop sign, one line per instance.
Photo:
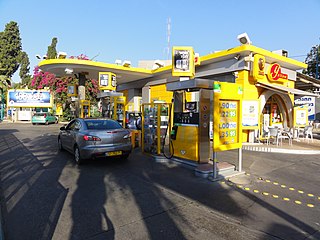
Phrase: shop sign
(274, 72)
(29, 98)
(107, 81)
(183, 62)
(258, 67)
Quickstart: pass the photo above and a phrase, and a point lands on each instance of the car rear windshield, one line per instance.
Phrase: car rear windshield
(102, 124)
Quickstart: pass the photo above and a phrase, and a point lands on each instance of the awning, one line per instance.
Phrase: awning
(286, 90)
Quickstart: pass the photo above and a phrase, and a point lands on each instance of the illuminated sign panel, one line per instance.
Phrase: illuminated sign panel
(29, 98)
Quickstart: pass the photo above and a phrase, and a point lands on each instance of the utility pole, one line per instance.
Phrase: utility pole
(317, 63)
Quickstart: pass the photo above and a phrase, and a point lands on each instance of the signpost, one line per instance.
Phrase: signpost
(227, 118)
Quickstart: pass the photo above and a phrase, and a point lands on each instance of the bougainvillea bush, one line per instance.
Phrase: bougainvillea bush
(58, 86)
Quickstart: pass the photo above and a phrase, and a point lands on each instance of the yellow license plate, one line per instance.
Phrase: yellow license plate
(115, 153)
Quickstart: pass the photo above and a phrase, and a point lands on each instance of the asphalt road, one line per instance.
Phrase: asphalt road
(44, 195)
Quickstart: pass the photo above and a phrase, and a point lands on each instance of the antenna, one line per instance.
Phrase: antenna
(167, 49)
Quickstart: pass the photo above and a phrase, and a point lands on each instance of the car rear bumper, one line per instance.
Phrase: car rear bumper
(100, 151)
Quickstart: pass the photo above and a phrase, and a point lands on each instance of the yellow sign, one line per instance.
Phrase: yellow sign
(227, 127)
(107, 81)
(72, 90)
(258, 67)
(274, 73)
(183, 63)
(59, 110)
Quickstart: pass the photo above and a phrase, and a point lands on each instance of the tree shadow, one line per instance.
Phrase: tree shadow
(32, 197)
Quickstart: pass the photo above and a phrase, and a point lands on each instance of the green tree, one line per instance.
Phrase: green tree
(52, 51)
(10, 49)
(312, 59)
(25, 69)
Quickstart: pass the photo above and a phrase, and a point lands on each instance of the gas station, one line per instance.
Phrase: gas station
(199, 105)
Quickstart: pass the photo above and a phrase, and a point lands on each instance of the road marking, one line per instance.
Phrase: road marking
(275, 196)
(256, 191)
(239, 186)
(246, 188)
(300, 191)
(310, 195)
(310, 205)
(267, 180)
(286, 199)
(265, 193)
(275, 183)
(298, 202)
(291, 189)
(283, 186)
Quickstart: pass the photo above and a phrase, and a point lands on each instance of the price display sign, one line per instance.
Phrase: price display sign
(183, 62)
(228, 122)
(227, 118)
(107, 81)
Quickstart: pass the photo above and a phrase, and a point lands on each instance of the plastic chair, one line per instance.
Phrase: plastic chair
(308, 132)
(273, 135)
(285, 134)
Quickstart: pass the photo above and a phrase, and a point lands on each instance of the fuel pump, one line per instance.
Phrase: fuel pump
(191, 122)
(119, 108)
(84, 108)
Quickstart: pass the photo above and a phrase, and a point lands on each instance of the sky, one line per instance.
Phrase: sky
(107, 30)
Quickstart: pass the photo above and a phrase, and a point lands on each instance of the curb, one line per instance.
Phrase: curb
(280, 150)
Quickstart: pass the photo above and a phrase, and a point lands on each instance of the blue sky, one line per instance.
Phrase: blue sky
(137, 30)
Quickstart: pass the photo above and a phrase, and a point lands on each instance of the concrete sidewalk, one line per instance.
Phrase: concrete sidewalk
(301, 146)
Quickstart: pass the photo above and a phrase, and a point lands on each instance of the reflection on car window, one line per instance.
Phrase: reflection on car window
(70, 126)
(102, 124)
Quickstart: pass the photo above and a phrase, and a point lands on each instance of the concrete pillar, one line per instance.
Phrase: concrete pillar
(81, 92)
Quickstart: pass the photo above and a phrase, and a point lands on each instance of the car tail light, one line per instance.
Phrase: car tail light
(91, 138)
(45, 115)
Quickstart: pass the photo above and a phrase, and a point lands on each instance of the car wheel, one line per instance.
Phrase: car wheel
(77, 156)
(33, 124)
(60, 145)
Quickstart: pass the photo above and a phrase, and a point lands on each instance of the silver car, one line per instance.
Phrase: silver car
(95, 138)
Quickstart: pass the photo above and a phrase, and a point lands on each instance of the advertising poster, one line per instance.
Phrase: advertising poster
(29, 98)
(301, 117)
(311, 102)
(250, 114)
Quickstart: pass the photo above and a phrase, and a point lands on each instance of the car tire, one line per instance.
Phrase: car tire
(60, 145)
(77, 156)
(33, 124)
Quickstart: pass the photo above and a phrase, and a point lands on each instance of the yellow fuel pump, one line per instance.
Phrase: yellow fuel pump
(84, 108)
(191, 121)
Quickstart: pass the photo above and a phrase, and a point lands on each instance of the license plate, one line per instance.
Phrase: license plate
(115, 153)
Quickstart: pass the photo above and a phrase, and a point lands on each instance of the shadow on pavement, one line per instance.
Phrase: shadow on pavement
(32, 197)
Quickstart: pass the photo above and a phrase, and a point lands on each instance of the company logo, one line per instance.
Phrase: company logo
(274, 72)
(261, 64)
